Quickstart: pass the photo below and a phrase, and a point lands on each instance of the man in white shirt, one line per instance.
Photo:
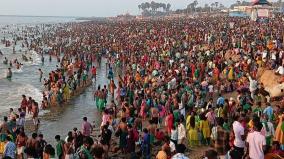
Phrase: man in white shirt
(256, 142)
(239, 142)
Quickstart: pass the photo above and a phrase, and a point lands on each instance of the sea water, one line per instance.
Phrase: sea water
(58, 120)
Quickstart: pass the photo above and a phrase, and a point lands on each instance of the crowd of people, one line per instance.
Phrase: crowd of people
(184, 83)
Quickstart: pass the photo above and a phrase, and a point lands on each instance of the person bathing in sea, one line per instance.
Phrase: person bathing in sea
(5, 61)
(9, 73)
(40, 74)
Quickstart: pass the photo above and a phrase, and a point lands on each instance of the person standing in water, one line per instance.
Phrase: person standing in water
(9, 74)
(40, 74)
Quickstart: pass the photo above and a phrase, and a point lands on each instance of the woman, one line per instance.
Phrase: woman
(192, 130)
(112, 87)
(205, 129)
(169, 122)
(21, 143)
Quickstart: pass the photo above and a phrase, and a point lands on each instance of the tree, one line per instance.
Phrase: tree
(238, 2)
(216, 4)
(195, 3)
(168, 7)
(212, 6)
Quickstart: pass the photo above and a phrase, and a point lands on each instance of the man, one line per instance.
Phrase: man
(32, 142)
(59, 147)
(40, 74)
(239, 141)
(220, 100)
(256, 142)
(86, 127)
(35, 111)
(268, 111)
(10, 149)
(41, 144)
(180, 148)
(24, 103)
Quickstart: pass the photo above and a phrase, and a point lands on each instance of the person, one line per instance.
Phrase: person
(205, 129)
(98, 152)
(181, 132)
(40, 74)
(279, 134)
(41, 143)
(9, 74)
(21, 141)
(192, 130)
(130, 139)
(268, 111)
(162, 154)
(24, 103)
(180, 149)
(145, 147)
(239, 137)
(86, 127)
(221, 143)
(4, 129)
(49, 152)
(256, 142)
(268, 129)
(35, 111)
(85, 148)
(32, 142)
(211, 154)
(68, 148)
(105, 138)
(94, 72)
(10, 149)
(59, 147)
(174, 135)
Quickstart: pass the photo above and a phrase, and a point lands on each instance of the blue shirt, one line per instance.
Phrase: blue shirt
(268, 111)
(10, 150)
(221, 101)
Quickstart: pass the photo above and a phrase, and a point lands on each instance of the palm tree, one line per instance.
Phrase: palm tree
(195, 3)
(168, 7)
(216, 4)
(147, 5)
(212, 6)
(238, 2)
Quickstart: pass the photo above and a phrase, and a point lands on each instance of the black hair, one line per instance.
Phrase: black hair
(57, 137)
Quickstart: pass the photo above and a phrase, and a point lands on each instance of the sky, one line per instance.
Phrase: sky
(86, 8)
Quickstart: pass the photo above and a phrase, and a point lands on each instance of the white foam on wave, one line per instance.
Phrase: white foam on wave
(15, 94)
(36, 59)
(20, 70)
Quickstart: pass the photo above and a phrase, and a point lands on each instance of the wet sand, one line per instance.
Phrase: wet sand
(62, 119)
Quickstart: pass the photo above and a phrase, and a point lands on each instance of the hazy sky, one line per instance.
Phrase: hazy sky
(98, 8)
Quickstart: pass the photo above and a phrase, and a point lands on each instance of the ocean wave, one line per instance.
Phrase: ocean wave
(36, 59)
